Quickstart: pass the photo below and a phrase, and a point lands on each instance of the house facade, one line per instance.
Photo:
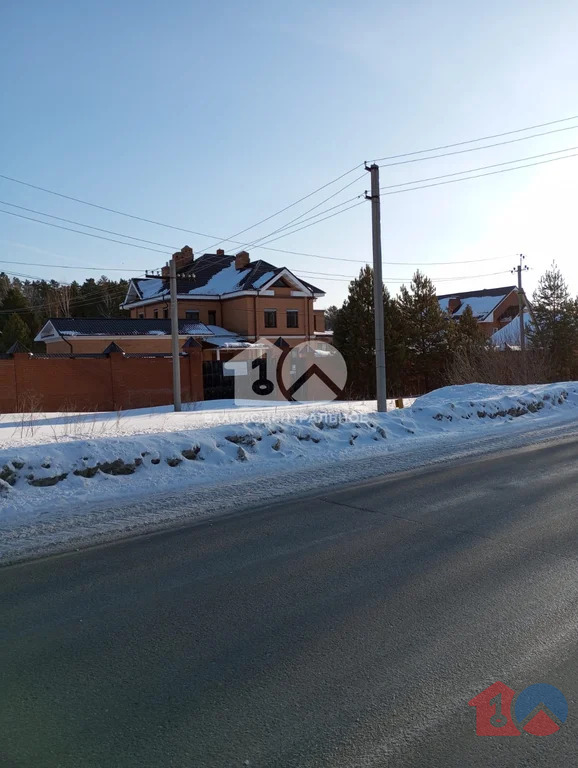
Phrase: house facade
(224, 301)
(250, 299)
(493, 308)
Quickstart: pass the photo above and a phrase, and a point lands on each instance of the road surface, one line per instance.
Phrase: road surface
(342, 630)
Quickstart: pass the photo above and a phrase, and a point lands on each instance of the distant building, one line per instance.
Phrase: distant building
(508, 337)
(493, 308)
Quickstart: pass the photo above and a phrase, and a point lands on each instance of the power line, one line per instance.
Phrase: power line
(292, 205)
(322, 276)
(92, 296)
(479, 175)
(337, 213)
(87, 298)
(150, 221)
(425, 186)
(88, 226)
(297, 218)
(319, 220)
(481, 138)
(280, 250)
(480, 168)
(102, 207)
(79, 232)
(286, 226)
(69, 266)
(309, 218)
(476, 149)
(69, 229)
(103, 269)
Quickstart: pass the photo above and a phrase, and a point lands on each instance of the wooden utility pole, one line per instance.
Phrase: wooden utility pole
(175, 334)
(380, 371)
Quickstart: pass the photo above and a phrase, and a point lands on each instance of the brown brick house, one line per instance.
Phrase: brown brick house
(493, 308)
(224, 301)
(251, 299)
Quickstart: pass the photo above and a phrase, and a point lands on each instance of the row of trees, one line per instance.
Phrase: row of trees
(25, 305)
(426, 349)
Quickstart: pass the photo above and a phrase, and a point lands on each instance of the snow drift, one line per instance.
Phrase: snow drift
(35, 478)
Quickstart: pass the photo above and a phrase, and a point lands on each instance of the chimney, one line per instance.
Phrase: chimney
(184, 257)
(165, 271)
(242, 260)
(220, 252)
(453, 305)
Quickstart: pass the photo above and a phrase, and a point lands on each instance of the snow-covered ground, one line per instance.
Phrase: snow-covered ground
(20, 429)
(70, 478)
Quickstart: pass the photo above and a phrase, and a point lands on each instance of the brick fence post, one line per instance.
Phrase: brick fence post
(22, 389)
(195, 357)
(117, 390)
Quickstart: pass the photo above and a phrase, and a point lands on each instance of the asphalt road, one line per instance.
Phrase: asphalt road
(343, 630)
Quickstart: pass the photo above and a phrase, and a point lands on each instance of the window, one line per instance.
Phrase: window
(165, 313)
(212, 317)
(292, 318)
(156, 314)
(192, 314)
(141, 315)
(270, 318)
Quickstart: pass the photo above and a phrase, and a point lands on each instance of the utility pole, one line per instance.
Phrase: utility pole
(380, 373)
(521, 304)
(175, 333)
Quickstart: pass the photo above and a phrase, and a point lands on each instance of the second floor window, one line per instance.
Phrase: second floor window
(165, 313)
(270, 318)
(193, 315)
(156, 314)
(212, 317)
(292, 318)
(141, 315)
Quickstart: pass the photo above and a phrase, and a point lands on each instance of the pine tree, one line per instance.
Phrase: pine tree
(424, 329)
(555, 326)
(15, 330)
(330, 315)
(15, 301)
(354, 336)
(465, 335)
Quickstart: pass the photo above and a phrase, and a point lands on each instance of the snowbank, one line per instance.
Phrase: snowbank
(156, 452)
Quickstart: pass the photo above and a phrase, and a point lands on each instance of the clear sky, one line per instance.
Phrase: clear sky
(211, 116)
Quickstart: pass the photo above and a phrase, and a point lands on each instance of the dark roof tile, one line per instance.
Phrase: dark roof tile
(485, 292)
(124, 326)
(213, 274)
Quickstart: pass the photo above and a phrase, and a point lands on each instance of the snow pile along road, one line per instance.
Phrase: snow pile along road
(48, 480)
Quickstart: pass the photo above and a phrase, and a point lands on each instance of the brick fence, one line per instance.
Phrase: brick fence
(107, 382)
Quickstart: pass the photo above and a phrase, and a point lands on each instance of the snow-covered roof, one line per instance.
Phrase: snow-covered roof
(509, 335)
(151, 287)
(214, 274)
(57, 327)
(481, 306)
(223, 339)
(482, 303)
(265, 277)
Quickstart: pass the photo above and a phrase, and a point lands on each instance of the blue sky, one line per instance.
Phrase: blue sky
(212, 116)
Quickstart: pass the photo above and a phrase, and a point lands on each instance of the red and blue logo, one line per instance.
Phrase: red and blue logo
(540, 710)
